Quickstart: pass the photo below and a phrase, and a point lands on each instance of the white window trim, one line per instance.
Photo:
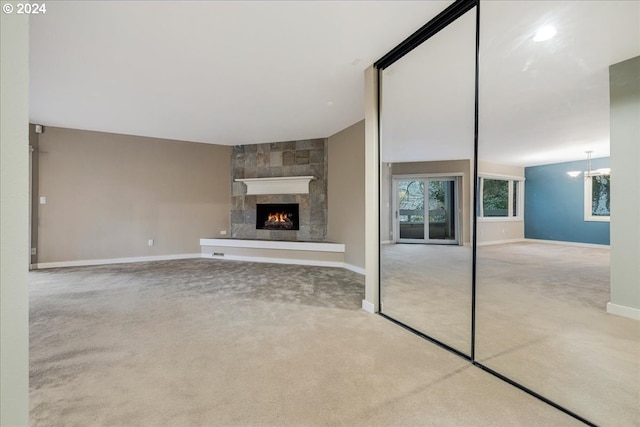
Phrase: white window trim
(519, 216)
(588, 187)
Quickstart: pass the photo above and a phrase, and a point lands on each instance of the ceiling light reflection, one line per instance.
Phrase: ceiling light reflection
(544, 33)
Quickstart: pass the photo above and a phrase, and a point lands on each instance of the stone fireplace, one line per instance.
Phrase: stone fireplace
(280, 159)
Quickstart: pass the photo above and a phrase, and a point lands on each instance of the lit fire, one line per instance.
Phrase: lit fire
(278, 221)
(278, 217)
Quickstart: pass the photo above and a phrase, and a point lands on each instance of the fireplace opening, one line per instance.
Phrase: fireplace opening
(277, 216)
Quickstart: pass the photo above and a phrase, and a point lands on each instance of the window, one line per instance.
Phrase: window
(597, 197)
(411, 198)
(500, 198)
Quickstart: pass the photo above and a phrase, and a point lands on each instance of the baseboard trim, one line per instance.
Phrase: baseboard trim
(355, 269)
(86, 262)
(368, 307)
(563, 243)
(500, 242)
(386, 242)
(546, 242)
(622, 310)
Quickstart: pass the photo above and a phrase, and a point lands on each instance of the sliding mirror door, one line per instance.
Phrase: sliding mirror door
(558, 292)
(427, 100)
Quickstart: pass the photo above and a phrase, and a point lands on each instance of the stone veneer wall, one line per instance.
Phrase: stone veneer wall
(291, 158)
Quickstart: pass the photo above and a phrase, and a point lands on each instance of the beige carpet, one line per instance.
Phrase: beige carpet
(223, 343)
(428, 287)
(540, 319)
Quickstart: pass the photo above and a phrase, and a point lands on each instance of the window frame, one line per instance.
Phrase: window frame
(588, 188)
(519, 198)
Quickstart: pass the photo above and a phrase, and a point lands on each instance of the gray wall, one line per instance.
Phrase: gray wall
(14, 220)
(108, 194)
(346, 192)
(625, 198)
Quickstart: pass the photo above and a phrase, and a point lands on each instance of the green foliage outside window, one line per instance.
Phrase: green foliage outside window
(495, 197)
(600, 195)
(411, 194)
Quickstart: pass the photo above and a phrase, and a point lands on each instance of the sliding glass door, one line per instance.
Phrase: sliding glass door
(426, 210)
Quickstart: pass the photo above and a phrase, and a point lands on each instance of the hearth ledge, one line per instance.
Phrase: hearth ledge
(275, 244)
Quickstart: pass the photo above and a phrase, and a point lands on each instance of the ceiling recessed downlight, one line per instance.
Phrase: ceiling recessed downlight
(545, 33)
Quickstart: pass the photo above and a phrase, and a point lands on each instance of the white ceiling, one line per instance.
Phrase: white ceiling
(223, 72)
(240, 72)
(548, 102)
(539, 103)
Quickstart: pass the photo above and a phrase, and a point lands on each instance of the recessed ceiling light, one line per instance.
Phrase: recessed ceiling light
(330, 104)
(544, 33)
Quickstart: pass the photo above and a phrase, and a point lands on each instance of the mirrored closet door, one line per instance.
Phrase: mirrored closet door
(427, 116)
(553, 78)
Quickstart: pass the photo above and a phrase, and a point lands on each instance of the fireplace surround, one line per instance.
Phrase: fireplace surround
(305, 158)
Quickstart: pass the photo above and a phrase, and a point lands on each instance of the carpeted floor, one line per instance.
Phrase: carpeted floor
(428, 287)
(541, 319)
(222, 343)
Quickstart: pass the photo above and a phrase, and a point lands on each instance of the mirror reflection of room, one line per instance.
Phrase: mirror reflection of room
(556, 304)
(427, 148)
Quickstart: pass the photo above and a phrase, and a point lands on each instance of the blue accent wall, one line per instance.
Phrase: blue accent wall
(554, 204)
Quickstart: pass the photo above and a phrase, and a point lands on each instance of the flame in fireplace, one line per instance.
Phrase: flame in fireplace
(278, 217)
(278, 221)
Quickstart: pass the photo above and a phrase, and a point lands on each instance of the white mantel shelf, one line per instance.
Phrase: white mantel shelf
(277, 185)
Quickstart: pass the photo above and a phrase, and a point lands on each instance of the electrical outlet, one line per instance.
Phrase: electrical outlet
(223, 232)
(33, 251)
(218, 254)
(150, 242)
(43, 200)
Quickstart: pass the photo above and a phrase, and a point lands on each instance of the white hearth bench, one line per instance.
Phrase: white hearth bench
(282, 252)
